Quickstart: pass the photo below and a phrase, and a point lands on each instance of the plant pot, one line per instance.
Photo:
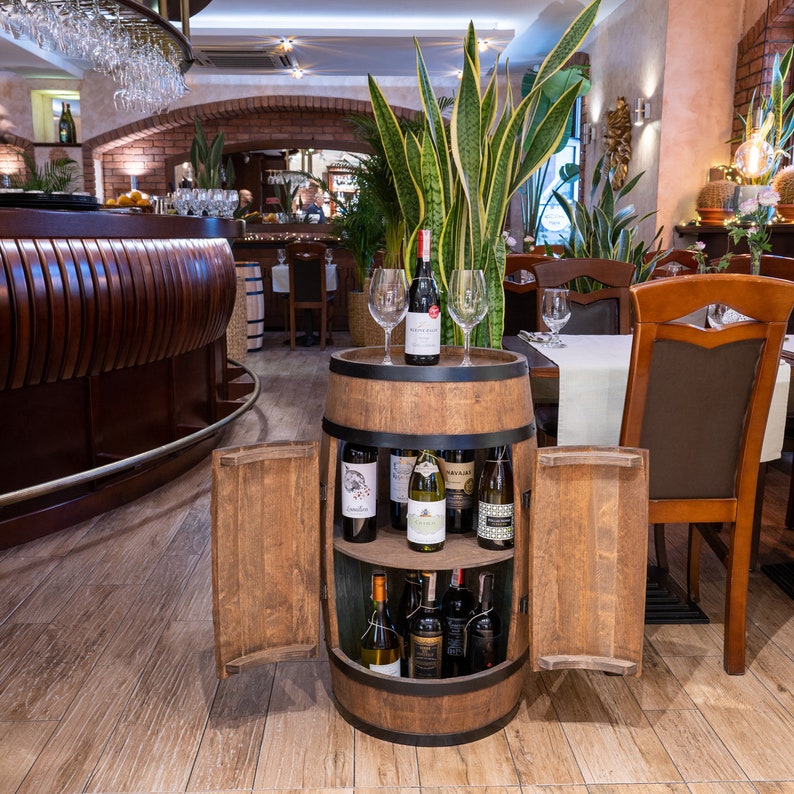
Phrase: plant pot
(714, 216)
(786, 212)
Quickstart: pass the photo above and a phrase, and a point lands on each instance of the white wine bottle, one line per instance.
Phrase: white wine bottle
(459, 484)
(401, 464)
(380, 643)
(427, 633)
(423, 321)
(484, 630)
(457, 606)
(63, 125)
(359, 493)
(495, 525)
(427, 505)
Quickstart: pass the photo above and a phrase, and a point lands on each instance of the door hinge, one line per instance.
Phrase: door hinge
(526, 498)
(323, 492)
(523, 605)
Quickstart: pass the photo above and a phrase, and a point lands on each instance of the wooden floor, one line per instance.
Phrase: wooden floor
(107, 679)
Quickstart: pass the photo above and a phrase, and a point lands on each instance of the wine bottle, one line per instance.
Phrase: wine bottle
(380, 643)
(427, 633)
(426, 518)
(423, 321)
(401, 464)
(495, 528)
(410, 601)
(70, 122)
(359, 492)
(63, 125)
(457, 606)
(459, 484)
(484, 629)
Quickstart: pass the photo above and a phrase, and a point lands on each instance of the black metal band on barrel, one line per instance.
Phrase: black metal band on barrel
(502, 370)
(429, 687)
(377, 438)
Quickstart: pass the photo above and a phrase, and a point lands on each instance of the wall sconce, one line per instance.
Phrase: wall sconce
(642, 111)
(133, 181)
(588, 133)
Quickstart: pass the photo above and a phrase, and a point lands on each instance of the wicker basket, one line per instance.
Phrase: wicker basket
(364, 331)
(237, 330)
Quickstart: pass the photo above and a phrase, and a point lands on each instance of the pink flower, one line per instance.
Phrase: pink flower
(768, 198)
(748, 206)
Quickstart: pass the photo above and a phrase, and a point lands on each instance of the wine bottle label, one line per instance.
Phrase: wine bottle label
(456, 632)
(359, 489)
(423, 332)
(401, 468)
(459, 481)
(426, 468)
(393, 668)
(495, 522)
(426, 656)
(427, 521)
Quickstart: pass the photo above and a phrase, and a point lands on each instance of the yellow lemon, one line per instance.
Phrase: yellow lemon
(111, 202)
(125, 201)
(135, 195)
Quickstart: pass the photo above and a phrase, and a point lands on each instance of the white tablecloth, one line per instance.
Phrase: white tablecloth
(281, 278)
(594, 371)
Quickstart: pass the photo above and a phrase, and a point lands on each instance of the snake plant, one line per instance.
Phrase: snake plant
(457, 179)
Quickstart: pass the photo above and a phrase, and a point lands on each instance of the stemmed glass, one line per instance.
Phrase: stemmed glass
(556, 311)
(467, 302)
(329, 256)
(388, 301)
(281, 254)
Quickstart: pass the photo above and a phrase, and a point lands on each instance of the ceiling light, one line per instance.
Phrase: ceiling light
(297, 73)
(482, 45)
(287, 45)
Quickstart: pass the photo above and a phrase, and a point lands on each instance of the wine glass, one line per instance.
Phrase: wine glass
(329, 256)
(556, 311)
(388, 301)
(467, 303)
(281, 254)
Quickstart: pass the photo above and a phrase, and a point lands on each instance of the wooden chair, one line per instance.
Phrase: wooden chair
(675, 256)
(520, 307)
(307, 289)
(704, 461)
(605, 310)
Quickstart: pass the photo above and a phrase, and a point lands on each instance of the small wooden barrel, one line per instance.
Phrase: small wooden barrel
(437, 407)
(255, 302)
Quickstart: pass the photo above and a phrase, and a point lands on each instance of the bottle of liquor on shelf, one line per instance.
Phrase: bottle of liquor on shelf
(484, 629)
(457, 606)
(427, 633)
(427, 505)
(70, 122)
(423, 321)
(401, 464)
(459, 484)
(359, 492)
(495, 526)
(410, 601)
(63, 125)
(380, 643)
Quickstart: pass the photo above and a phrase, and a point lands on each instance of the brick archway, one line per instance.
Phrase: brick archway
(154, 144)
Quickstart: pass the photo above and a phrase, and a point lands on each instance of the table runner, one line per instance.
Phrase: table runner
(593, 376)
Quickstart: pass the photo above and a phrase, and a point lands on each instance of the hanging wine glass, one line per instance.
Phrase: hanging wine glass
(556, 311)
(388, 302)
(467, 303)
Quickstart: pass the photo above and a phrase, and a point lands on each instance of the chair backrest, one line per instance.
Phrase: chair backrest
(771, 265)
(710, 447)
(674, 256)
(603, 311)
(307, 286)
(515, 262)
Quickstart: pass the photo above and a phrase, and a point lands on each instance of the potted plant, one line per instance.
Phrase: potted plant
(457, 178)
(55, 176)
(207, 159)
(602, 231)
(715, 201)
(783, 185)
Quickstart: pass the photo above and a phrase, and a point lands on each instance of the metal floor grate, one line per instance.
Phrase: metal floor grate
(664, 605)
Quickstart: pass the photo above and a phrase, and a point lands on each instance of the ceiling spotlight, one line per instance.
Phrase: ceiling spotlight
(459, 74)
(286, 44)
(482, 45)
(297, 73)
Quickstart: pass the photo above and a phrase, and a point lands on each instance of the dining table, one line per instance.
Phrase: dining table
(280, 283)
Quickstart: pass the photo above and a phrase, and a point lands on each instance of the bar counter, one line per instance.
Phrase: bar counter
(112, 343)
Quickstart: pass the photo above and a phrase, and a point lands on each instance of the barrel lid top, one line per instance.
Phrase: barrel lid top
(488, 364)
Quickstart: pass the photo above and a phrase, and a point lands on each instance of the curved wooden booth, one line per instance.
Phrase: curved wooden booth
(112, 343)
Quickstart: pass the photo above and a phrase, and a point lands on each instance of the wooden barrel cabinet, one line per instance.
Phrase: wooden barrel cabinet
(275, 522)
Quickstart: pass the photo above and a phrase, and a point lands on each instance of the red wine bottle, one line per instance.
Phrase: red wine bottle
(484, 630)
(459, 484)
(457, 606)
(359, 492)
(401, 464)
(410, 601)
(427, 633)
(423, 321)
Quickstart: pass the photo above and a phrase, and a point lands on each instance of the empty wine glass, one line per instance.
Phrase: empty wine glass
(388, 301)
(556, 311)
(329, 256)
(281, 254)
(467, 303)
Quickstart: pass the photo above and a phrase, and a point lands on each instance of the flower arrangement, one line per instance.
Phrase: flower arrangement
(751, 224)
(696, 250)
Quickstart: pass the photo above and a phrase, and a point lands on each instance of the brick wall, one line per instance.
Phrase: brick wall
(753, 56)
(11, 161)
(153, 147)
